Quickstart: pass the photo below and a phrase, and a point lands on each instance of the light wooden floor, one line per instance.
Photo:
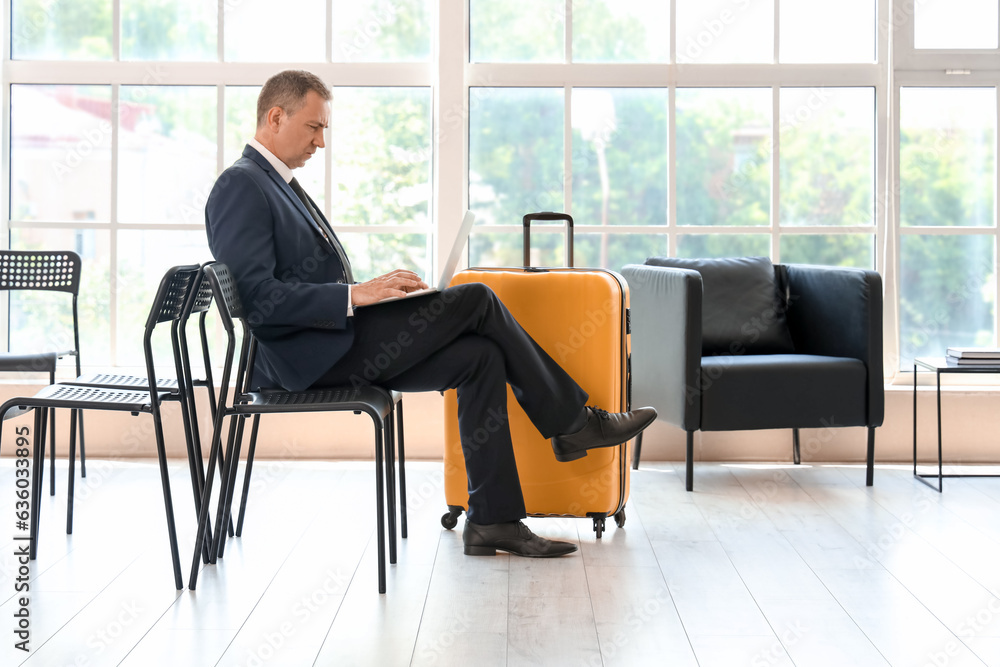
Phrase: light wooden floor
(761, 565)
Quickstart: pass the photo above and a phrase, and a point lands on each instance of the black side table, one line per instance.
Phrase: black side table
(941, 365)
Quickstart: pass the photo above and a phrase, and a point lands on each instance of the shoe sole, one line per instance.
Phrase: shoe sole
(572, 456)
(492, 551)
(579, 454)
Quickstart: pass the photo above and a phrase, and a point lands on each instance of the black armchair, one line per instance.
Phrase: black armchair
(739, 344)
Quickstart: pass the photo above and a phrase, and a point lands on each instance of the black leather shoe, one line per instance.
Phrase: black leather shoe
(603, 429)
(514, 538)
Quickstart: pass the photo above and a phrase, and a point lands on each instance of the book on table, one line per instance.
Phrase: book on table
(974, 355)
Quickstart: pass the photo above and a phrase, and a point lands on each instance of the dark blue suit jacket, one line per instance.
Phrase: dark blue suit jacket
(289, 276)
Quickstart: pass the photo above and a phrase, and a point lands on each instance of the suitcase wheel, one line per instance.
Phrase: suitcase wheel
(620, 518)
(599, 526)
(450, 518)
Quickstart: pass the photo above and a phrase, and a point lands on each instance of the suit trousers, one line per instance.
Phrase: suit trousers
(464, 338)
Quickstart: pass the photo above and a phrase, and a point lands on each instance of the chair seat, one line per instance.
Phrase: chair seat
(85, 398)
(37, 362)
(112, 381)
(319, 400)
(745, 392)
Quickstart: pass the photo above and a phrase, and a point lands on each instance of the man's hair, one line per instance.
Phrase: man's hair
(288, 90)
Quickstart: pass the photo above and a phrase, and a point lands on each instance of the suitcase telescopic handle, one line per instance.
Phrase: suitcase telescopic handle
(548, 216)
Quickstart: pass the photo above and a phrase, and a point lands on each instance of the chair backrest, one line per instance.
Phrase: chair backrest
(224, 288)
(172, 294)
(230, 309)
(203, 297)
(743, 305)
(48, 270)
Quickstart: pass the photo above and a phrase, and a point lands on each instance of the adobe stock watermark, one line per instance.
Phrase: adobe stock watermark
(636, 620)
(22, 519)
(443, 644)
(419, 321)
(595, 319)
(710, 31)
(971, 626)
(270, 643)
(368, 29)
(776, 653)
(752, 330)
(103, 639)
(878, 550)
(98, 138)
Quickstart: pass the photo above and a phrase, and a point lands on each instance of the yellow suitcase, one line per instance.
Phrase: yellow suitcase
(580, 317)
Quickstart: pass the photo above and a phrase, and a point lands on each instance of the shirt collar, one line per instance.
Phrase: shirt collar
(272, 159)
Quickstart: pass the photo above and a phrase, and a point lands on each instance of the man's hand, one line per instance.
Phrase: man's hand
(394, 283)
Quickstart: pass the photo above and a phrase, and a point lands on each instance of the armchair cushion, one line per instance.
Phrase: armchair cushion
(743, 311)
(782, 391)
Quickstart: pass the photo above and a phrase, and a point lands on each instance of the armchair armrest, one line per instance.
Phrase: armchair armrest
(837, 312)
(666, 341)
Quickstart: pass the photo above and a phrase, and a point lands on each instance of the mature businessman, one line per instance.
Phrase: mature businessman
(302, 304)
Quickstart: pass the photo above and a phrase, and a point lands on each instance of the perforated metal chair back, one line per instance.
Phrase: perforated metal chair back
(172, 294)
(230, 305)
(48, 270)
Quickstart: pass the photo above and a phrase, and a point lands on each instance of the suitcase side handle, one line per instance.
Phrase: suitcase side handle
(547, 216)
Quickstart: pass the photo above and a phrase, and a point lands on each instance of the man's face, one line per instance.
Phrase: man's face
(299, 135)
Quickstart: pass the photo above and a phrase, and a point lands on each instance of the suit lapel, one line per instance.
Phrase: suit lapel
(330, 239)
(285, 188)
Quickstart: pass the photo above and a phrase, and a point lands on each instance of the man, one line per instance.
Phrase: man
(301, 301)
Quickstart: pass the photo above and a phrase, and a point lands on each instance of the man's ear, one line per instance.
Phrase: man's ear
(274, 117)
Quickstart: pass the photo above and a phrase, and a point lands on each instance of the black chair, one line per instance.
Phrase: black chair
(738, 344)
(173, 295)
(395, 445)
(199, 301)
(48, 271)
(244, 403)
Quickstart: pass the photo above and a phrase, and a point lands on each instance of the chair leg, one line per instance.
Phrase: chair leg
(636, 451)
(37, 479)
(379, 499)
(870, 473)
(168, 505)
(203, 528)
(402, 468)
(796, 453)
(689, 474)
(83, 450)
(71, 483)
(246, 474)
(51, 414)
(389, 441)
(52, 452)
(228, 486)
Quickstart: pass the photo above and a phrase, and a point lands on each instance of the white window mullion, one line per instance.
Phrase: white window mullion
(568, 13)
(116, 30)
(568, 150)
(672, 171)
(113, 287)
(220, 34)
(449, 126)
(775, 173)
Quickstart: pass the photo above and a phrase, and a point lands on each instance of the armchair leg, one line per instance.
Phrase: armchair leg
(689, 478)
(796, 453)
(636, 452)
(870, 474)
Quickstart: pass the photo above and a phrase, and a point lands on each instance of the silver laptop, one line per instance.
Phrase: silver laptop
(450, 265)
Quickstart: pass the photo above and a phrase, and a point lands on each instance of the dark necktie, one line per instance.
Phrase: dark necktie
(327, 230)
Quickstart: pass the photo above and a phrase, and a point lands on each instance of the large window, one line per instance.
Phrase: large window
(785, 128)
(116, 160)
(705, 137)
